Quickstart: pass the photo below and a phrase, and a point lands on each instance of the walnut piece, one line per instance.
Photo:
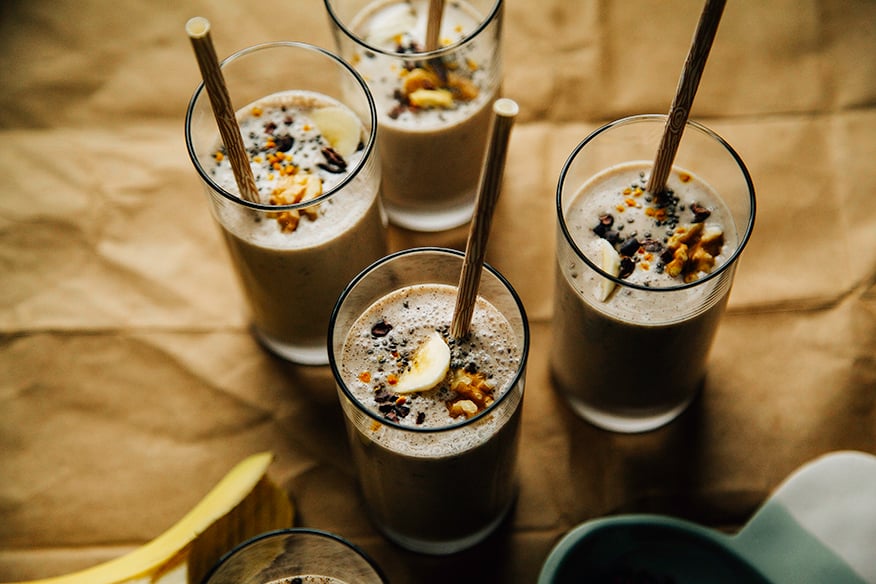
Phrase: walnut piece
(474, 393)
(295, 189)
(693, 249)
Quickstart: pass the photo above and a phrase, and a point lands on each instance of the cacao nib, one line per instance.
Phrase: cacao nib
(605, 223)
(381, 329)
(667, 256)
(284, 142)
(334, 162)
(700, 212)
(630, 247)
(652, 245)
(627, 266)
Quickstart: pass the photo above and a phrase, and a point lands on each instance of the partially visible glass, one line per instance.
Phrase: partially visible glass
(431, 484)
(630, 335)
(319, 221)
(295, 555)
(433, 106)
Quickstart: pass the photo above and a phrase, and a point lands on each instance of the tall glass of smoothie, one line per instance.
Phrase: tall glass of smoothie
(309, 125)
(642, 279)
(433, 421)
(433, 105)
(295, 556)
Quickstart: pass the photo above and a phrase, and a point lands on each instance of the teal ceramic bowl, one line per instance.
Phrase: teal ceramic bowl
(818, 527)
(646, 549)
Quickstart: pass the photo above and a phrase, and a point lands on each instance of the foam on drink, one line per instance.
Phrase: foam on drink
(641, 228)
(284, 143)
(381, 343)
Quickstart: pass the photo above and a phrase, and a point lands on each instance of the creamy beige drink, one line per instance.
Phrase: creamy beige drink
(643, 277)
(433, 112)
(624, 352)
(294, 263)
(433, 421)
(308, 125)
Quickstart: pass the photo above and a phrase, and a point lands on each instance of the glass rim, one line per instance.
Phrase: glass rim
(366, 155)
(691, 124)
(227, 556)
(518, 374)
(439, 52)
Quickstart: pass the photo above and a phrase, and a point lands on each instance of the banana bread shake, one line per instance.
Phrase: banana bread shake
(643, 278)
(434, 111)
(433, 421)
(640, 357)
(318, 220)
(294, 262)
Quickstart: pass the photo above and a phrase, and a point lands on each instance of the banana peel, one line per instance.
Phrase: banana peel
(243, 504)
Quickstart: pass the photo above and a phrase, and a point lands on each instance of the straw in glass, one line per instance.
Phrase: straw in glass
(684, 94)
(504, 112)
(198, 29)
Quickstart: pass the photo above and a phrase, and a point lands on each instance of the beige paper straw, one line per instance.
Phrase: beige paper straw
(684, 94)
(504, 112)
(198, 29)
(433, 24)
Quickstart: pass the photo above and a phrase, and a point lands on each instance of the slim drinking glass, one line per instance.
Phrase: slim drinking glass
(436, 468)
(309, 126)
(433, 104)
(642, 280)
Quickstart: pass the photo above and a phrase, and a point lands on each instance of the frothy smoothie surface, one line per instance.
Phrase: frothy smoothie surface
(422, 94)
(653, 241)
(300, 145)
(382, 344)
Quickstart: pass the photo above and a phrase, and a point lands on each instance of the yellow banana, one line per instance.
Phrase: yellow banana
(243, 504)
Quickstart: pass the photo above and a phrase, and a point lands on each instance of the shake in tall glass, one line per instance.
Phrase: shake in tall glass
(643, 278)
(309, 127)
(433, 105)
(433, 421)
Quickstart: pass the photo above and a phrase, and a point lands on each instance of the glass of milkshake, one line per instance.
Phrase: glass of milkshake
(433, 105)
(309, 125)
(642, 280)
(433, 421)
(295, 556)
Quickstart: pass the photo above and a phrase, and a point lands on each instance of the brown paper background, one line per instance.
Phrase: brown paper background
(129, 383)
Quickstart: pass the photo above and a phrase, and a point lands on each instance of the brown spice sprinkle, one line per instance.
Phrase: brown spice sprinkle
(693, 250)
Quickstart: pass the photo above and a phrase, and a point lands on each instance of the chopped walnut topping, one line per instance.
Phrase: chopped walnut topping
(295, 189)
(474, 393)
(463, 407)
(693, 249)
(434, 86)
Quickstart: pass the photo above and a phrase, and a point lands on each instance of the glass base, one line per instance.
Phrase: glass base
(302, 355)
(627, 423)
(440, 548)
(429, 220)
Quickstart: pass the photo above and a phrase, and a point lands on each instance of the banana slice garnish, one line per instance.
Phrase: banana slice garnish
(340, 127)
(609, 261)
(428, 367)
